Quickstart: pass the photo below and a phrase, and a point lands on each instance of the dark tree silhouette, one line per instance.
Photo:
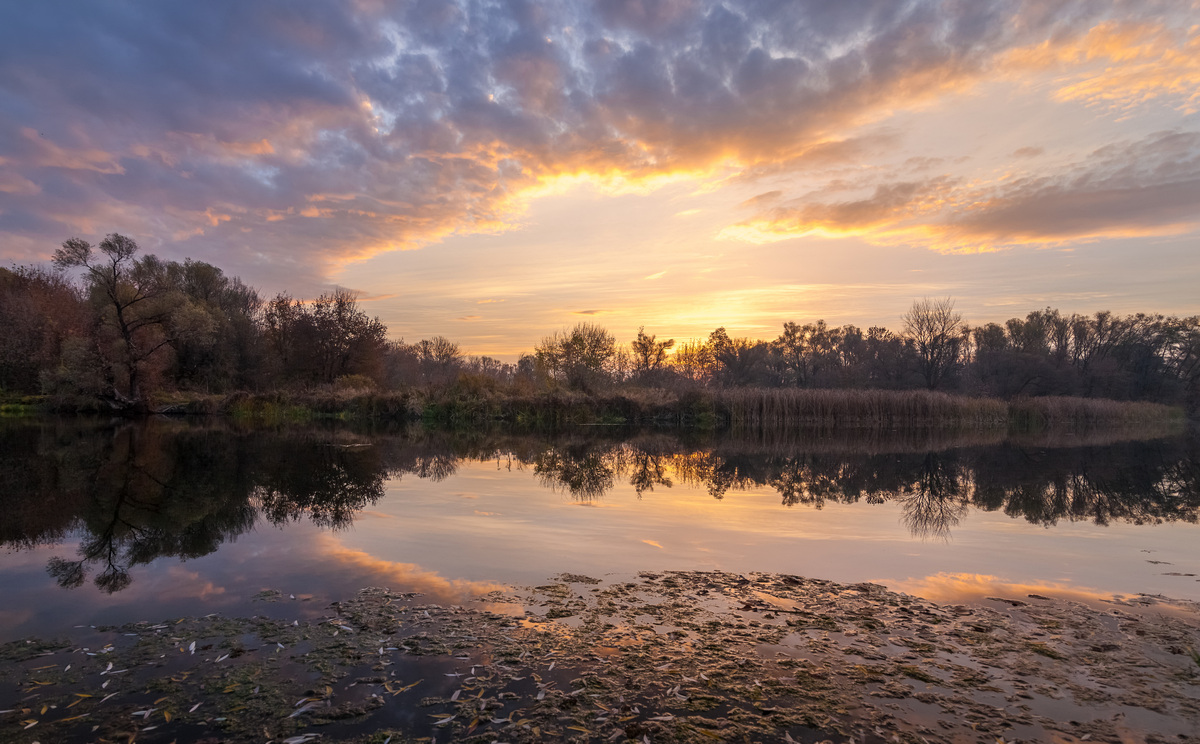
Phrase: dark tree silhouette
(935, 330)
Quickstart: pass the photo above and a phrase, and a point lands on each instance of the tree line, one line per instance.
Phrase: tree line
(104, 322)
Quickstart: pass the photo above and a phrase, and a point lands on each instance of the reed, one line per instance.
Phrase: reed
(1038, 413)
(763, 407)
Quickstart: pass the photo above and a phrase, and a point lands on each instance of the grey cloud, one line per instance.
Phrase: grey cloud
(1127, 187)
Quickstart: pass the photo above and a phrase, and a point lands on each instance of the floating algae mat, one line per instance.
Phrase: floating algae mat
(657, 657)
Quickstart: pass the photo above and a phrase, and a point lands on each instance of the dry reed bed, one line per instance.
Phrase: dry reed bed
(1050, 411)
(761, 407)
(873, 408)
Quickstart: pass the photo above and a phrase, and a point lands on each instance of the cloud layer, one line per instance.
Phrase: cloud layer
(284, 139)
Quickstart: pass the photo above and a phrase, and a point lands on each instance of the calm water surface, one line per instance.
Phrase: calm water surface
(112, 522)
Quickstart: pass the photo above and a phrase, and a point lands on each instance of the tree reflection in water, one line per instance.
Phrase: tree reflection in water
(140, 491)
(135, 492)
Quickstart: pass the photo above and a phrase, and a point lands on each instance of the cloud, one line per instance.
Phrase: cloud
(1125, 64)
(408, 575)
(966, 587)
(890, 205)
(1144, 187)
(587, 312)
(283, 142)
(762, 199)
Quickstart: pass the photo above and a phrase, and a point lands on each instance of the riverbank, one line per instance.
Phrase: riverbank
(473, 405)
(672, 656)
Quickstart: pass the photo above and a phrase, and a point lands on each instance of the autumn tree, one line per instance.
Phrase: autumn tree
(324, 339)
(581, 357)
(805, 351)
(736, 361)
(215, 329)
(41, 311)
(649, 354)
(692, 361)
(132, 304)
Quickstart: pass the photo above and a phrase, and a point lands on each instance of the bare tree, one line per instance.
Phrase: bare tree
(934, 329)
(440, 358)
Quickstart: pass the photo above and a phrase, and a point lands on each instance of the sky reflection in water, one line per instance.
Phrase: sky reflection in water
(107, 524)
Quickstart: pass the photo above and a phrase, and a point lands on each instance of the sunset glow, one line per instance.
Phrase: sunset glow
(495, 172)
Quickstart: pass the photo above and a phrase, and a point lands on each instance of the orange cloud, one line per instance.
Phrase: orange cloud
(888, 212)
(46, 154)
(964, 587)
(1141, 62)
(407, 575)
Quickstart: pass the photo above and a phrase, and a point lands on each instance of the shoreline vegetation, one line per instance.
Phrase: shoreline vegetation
(109, 330)
(684, 656)
(738, 409)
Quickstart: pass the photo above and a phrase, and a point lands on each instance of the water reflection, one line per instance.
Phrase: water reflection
(1139, 482)
(134, 492)
(138, 492)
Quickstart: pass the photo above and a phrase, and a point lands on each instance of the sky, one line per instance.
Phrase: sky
(496, 171)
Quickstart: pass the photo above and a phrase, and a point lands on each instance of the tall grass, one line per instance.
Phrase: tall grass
(1037, 413)
(764, 407)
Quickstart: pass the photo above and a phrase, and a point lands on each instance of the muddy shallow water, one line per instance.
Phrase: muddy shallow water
(670, 656)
